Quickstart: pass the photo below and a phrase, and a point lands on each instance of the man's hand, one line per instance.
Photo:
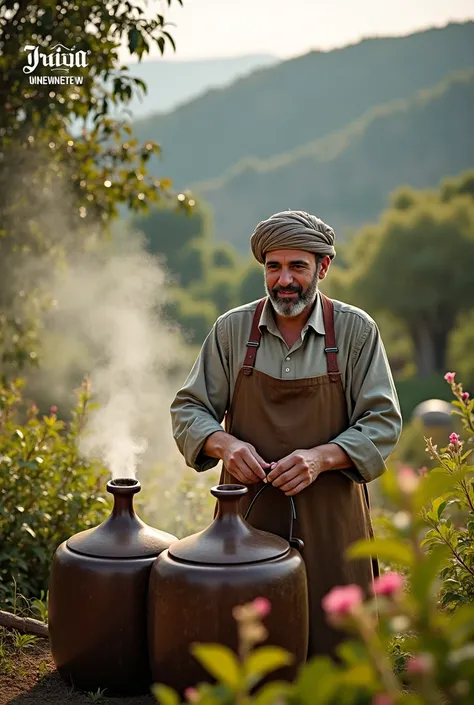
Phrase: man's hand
(296, 471)
(242, 460)
(239, 458)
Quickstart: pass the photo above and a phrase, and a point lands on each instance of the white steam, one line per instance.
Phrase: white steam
(109, 301)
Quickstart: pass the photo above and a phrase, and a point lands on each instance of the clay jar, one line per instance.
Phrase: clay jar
(98, 599)
(195, 584)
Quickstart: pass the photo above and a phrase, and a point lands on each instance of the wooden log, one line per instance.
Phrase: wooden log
(23, 624)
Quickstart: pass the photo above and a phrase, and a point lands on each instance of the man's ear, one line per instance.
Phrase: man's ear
(324, 266)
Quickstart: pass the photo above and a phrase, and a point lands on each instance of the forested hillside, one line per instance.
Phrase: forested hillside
(277, 109)
(347, 176)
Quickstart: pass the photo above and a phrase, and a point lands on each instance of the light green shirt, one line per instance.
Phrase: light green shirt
(372, 404)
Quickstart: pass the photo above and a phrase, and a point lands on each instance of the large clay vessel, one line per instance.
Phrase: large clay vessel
(98, 599)
(195, 584)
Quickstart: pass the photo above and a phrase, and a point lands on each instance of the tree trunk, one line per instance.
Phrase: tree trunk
(430, 348)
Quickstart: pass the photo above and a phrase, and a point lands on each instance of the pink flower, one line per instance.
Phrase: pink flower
(423, 471)
(342, 600)
(449, 377)
(420, 665)
(408, 480)
(382, 699)
(454, 439)
(191, 695)
(388, 584)
(465, 396)
(53, 409)
(262, 606)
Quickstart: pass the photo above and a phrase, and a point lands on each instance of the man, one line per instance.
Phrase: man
(309, 403)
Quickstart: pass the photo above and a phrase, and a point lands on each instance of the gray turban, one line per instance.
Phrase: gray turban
(292, 230)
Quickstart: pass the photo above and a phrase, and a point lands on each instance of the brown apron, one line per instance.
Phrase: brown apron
(279, 416)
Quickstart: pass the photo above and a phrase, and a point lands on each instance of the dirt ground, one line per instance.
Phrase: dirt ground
(28, 677)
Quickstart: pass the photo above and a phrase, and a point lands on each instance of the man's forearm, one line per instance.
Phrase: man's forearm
(216, 444)
(333, 457)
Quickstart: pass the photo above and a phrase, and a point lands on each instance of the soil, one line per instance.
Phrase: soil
(28, 677)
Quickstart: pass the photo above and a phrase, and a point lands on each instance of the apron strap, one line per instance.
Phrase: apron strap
(254, 340)
(331, 348)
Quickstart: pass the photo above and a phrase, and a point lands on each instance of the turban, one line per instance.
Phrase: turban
(292, 230)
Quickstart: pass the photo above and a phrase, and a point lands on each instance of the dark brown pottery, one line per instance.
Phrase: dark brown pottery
(98, 599)
(196, 583)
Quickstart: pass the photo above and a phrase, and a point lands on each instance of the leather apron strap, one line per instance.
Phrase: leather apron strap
(330, 349)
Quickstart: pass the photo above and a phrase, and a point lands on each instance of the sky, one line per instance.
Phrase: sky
(285, 28)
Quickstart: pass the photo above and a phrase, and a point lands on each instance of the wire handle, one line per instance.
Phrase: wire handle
(293, 541)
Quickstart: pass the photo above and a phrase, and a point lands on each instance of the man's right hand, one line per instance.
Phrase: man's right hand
(244, 463)
(239, 458)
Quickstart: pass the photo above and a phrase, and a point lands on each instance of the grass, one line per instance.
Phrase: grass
(97, 696)
(11, 643)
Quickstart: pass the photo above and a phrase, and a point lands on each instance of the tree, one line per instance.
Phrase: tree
(58, 182)
(170, 233)
(417, 263)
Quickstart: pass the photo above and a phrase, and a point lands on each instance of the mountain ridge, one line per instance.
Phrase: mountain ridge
(278, 108)
(343, 177)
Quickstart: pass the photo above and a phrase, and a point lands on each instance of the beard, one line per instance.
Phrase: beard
(289, 308)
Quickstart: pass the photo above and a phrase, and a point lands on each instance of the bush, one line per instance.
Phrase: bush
(47, 492)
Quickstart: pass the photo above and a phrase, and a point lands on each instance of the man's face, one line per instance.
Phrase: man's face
(291, 280)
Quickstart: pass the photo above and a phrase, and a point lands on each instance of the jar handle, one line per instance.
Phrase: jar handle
(293, 541)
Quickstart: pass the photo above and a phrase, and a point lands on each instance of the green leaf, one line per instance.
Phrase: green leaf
(320, 671)
(425, 572)
(438, 506)
(268, 694)
(265, 660)
(220, 662)
(388, 550)
(434, 486)
(133, 39)
(165, 695)
(461, 624)
(27, 528)
(361, 675)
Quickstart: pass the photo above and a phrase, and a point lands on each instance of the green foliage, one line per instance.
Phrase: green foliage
(192, 263)
(169, 232)
(58, 182)
(459, 186)
(451, 516)
(223, 256)
(251, 285)
(195, 317)
(221, 287)
(47, 492)
(414, 390)
(462, 339)
(429, 310)
(420, 650)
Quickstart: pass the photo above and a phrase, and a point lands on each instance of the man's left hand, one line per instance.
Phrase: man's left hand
(296, 471)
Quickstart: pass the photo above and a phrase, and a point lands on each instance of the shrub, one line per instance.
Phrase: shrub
(47, 491)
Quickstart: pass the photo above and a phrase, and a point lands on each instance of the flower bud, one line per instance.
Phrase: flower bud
(388, 584)
(341, 601)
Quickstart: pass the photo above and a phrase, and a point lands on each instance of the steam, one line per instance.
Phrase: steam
(111, 300)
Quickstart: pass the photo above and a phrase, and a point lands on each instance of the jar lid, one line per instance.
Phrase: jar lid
(123, 534)
(229, 540)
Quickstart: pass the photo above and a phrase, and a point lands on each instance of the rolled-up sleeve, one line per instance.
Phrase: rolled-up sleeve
(376, 422)
(199, 406)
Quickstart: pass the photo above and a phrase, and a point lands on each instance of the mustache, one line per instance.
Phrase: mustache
(288, 289)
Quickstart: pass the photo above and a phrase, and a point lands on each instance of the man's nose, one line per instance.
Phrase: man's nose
(285, 278)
